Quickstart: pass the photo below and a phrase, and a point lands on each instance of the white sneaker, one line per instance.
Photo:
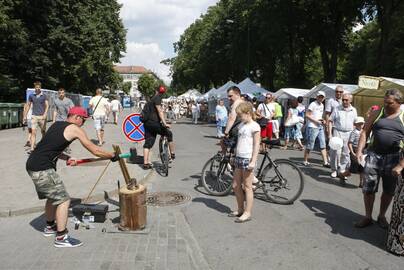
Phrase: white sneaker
(334, 174)
(67, 241)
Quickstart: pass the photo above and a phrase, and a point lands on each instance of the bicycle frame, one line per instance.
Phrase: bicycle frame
(267, 157)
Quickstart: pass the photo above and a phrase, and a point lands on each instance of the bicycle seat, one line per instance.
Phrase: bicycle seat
(272, 142)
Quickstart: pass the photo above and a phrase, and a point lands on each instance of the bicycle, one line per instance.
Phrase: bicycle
(164, 153)
(281, 180)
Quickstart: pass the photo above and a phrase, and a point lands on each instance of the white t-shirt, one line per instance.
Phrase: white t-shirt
(115, 105)
(267, 110)
(317, 112)
(245, 142)
(102, 107)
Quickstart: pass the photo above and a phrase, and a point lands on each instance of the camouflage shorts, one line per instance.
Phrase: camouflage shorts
(49, 186)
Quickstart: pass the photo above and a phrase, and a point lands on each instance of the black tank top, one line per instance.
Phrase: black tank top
(387, 134)
(48, 150)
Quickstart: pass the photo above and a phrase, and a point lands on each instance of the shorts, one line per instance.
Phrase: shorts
(312, 134)
(99, 122)
(380, 166)
(241, 163)
(49, 186)
(38, 121)
(152, 129)
(266, 132)
(29, 123)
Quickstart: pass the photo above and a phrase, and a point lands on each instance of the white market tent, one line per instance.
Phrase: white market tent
(290, 93)
(221, 92)
(329, 89)
(207, 95)
(191, 94)
(250, 88)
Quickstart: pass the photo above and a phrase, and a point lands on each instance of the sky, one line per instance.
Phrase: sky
(152, 28)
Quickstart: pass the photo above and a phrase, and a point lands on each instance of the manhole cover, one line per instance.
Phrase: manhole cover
(166, 198)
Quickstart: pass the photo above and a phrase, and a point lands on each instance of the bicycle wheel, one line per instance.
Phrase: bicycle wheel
(283, 183)
(164, 152)
(216, 177)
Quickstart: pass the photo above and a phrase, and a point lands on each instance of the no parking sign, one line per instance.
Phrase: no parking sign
(133, 128)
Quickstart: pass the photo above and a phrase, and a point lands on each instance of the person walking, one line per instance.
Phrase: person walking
(154, 124)
(247, 149)
(40, 106)
(61, 106)
(265, 113)
(221, 118)
(353, 147)
(332, 103)
(116, 108)
(195, 112)
(341, 123)
(395, 235)
(383, 154)
(315, 128)
(28, 121)
(293, 126)
(41, 167)
(100, 108)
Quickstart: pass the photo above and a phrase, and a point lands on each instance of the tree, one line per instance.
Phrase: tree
(147, 85)
(126, 87)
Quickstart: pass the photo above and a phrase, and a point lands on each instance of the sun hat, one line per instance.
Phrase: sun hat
(320, 93)
(359, 119)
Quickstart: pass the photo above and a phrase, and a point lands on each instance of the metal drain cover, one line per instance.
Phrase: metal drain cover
(167, 198)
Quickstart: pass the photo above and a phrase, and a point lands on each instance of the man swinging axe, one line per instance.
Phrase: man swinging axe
(41, 167)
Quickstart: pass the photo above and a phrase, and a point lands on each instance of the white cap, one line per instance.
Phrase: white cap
(359, 119)
(320, 93)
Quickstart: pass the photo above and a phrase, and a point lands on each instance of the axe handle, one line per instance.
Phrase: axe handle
(89, 160)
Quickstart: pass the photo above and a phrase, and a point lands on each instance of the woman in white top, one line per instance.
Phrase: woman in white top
(247, 149)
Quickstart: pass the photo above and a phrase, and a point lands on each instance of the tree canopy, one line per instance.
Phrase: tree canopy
(61, 43)
(290, 43)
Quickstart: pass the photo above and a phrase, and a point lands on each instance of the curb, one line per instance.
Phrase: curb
(95, 198)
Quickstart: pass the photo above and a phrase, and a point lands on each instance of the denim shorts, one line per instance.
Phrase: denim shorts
(314, 133)
(99, 122)
(380, 166)
(241, 163)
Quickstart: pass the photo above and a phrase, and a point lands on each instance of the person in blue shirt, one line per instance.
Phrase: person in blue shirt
(221, 118)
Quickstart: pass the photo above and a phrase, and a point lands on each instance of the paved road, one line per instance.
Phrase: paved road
(316, 232)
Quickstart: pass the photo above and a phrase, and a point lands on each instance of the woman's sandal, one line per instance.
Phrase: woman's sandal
(147, 166)
(242, 220)
(235, 214)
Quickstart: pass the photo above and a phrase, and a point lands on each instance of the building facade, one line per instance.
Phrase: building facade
(132, 74)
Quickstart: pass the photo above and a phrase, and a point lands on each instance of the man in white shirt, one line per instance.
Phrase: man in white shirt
(333, 103)
(342, 120)
(267, 111)
(315, 128)
(116, 108)
(100, 108)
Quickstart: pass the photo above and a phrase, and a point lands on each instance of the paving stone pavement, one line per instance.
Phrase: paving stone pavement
(166, 243)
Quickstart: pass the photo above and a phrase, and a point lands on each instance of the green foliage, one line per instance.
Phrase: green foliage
(289, 43)
(147, 85)
(126, 87)
(62, 43)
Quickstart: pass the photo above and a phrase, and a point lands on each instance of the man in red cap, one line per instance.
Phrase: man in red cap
(41, 167)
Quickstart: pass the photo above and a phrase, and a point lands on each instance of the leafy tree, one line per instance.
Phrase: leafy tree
(147, 85)
(126, 87)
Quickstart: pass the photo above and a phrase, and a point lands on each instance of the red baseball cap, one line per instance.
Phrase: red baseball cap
(162, 89)
(78, 111)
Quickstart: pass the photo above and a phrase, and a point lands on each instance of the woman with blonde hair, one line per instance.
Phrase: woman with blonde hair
(246, 158)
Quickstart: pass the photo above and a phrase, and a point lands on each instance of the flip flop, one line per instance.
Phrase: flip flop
(235, 214)
(239, 220)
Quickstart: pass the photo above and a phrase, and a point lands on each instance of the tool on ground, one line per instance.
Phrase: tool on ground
(89, 160)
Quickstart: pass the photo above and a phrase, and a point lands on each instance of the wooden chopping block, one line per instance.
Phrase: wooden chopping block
(133, 208)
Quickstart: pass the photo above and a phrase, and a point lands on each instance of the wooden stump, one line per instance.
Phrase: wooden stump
(133, 208)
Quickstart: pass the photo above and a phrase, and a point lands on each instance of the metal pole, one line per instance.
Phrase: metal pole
(248, 49)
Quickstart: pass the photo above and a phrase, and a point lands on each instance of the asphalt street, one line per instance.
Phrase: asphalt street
(316, 232)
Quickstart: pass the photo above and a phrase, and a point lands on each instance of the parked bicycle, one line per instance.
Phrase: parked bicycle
(281, 180)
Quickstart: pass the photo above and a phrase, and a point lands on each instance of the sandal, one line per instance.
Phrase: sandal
(363, 223)
(147, 166)
(242, 220)
(235, 214)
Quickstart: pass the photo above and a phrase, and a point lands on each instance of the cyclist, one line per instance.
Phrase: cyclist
(155, 123)
(230, 133)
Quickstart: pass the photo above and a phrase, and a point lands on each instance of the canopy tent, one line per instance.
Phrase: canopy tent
(290, 93)
(191, 94)
(250, 88)
(371, 91)
(207, 95)
(221, 92)
(329, 89)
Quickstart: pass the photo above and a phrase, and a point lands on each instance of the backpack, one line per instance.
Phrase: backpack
(144, 115)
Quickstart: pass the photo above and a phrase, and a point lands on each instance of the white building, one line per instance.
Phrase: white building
(132, 74)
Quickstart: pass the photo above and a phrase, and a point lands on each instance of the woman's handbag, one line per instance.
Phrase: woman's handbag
(263, 122)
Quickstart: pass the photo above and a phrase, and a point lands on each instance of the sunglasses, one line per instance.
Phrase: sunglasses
(339, 91)
(268, 97)
(82, 118)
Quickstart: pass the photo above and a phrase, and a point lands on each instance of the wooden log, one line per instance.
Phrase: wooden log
(133, 208)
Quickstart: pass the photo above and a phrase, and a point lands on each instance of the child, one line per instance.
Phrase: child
(353, 145)
(246, 158)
